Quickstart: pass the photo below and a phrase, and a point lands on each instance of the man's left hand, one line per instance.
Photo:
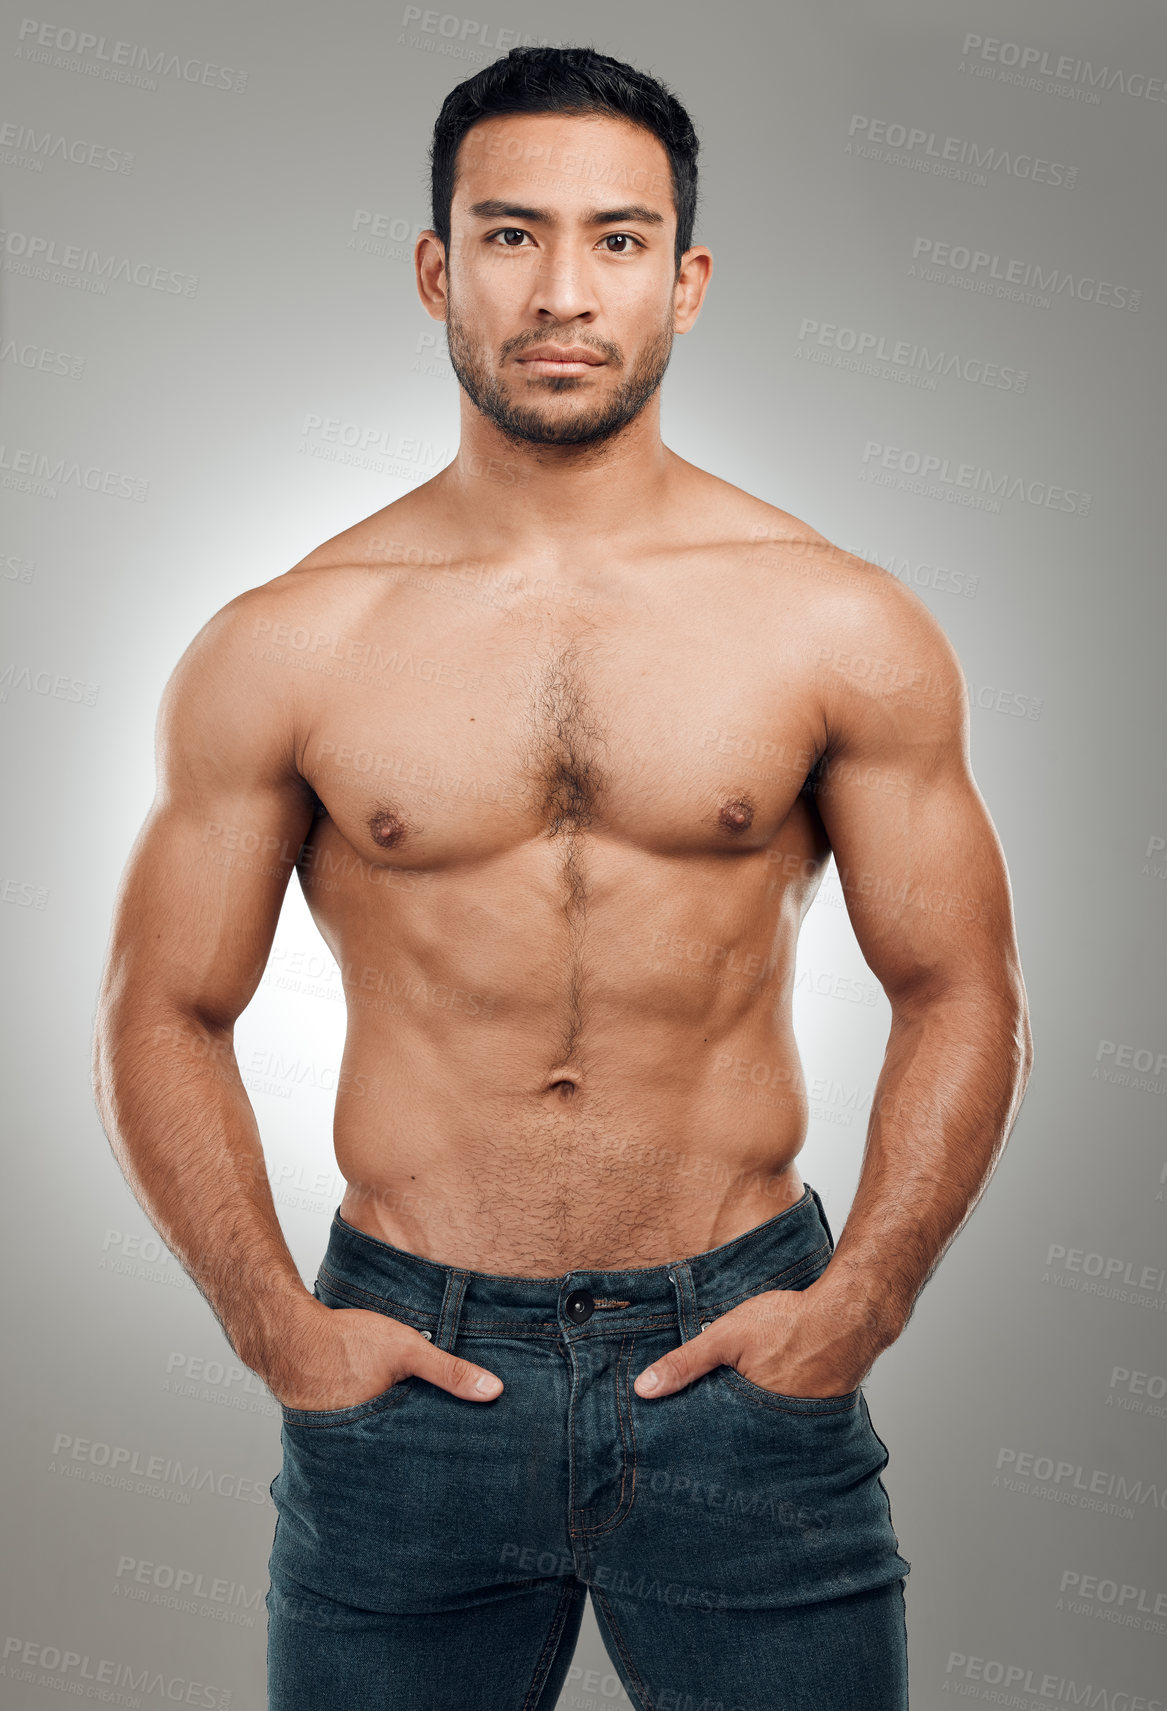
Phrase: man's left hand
(793, 1342)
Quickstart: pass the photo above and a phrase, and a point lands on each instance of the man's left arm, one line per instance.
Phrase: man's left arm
(927, 892)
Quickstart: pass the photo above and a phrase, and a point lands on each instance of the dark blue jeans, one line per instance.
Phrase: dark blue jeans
(435, 1554)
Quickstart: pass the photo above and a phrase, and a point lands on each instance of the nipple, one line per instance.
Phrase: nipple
(387, 828)
(737, 816)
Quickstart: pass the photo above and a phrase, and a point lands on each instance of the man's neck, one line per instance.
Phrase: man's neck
(544, 500)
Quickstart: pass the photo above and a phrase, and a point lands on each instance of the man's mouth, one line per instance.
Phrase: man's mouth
(552, 359)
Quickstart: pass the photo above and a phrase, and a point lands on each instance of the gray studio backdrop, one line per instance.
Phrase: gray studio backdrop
(934, 332)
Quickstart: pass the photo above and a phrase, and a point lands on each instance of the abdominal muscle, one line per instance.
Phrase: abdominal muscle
(568, 1054)
(560, 1112)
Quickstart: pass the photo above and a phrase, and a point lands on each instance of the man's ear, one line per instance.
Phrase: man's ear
(430, 270)
(692, 282)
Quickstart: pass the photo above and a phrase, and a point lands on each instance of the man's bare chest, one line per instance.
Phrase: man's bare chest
(438, 732)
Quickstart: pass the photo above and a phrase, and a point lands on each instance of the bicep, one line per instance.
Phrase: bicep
(201, 894)
(920, 863)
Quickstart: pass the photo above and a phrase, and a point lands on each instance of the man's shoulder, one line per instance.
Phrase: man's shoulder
(245, 646)
(778, 538)
(872, 646)
(330, 584)
(860, 627)
(403, 528)
(839, 584)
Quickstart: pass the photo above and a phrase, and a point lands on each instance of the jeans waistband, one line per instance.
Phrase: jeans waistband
(445, 1301)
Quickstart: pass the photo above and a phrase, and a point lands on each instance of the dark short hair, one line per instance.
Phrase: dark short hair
(565, 80)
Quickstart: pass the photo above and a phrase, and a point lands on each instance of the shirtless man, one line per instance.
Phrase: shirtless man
(560, 745)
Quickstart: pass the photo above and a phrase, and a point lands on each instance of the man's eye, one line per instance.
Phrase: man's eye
(507, 233)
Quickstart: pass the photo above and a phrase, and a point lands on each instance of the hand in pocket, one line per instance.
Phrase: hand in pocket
(338, 1357)
(787, 1341)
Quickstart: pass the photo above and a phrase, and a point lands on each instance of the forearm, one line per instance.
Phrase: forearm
(953, 1078)
(181, 1126)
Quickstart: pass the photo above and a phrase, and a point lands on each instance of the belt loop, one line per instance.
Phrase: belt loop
(681, 1277)
(451, 1313)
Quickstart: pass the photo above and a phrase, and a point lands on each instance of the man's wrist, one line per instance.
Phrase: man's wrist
(274, 1328)
(860, 1308)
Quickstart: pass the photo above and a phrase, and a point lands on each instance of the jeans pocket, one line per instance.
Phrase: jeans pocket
(800, 1275)
(357, 1411)
(733, 1380)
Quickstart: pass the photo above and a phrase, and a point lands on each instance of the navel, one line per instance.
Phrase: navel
(737, 816)
(564, 1080)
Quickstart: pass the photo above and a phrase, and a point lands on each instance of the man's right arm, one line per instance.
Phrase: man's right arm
(193, 925)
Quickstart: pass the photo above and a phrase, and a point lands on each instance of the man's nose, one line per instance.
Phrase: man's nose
(562, 286)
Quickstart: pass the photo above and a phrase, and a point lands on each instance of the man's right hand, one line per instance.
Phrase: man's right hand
(336, 1357)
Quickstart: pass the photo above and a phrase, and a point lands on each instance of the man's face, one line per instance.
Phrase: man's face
(562, 232)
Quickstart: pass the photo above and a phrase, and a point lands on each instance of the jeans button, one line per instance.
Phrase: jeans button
(579, 1306)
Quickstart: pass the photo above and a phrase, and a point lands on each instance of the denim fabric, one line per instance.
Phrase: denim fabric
(435, 1554)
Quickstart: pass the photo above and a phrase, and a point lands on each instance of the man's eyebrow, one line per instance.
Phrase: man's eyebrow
(492, 209)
